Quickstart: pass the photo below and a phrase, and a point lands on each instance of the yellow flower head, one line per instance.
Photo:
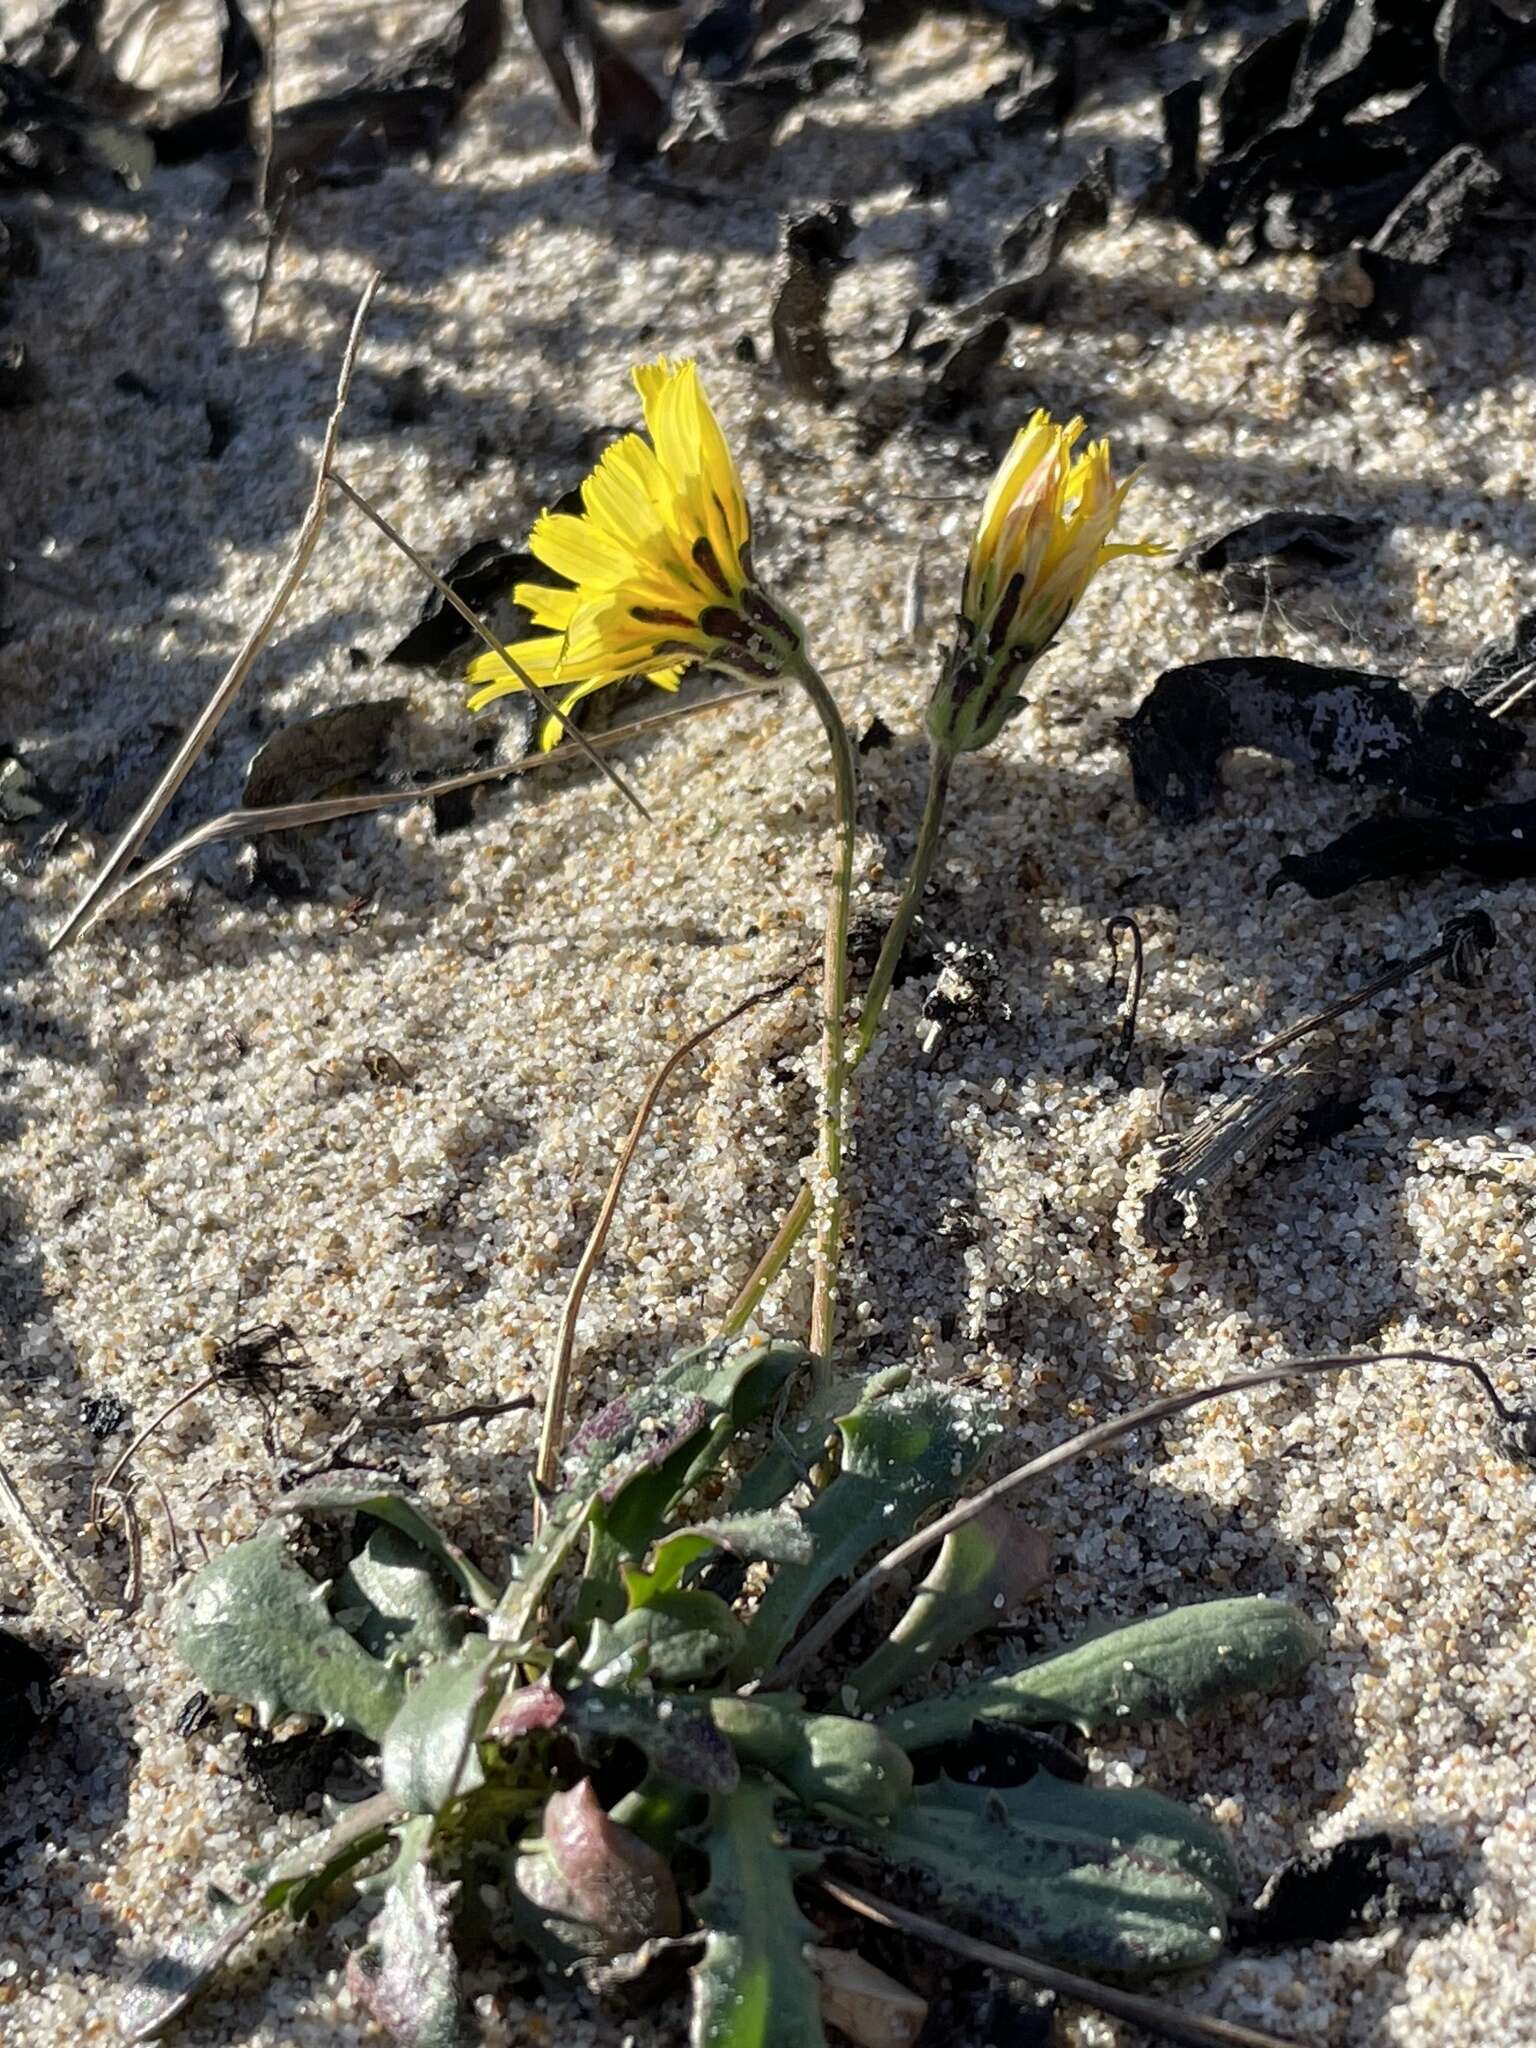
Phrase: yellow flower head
(1043, 533)
(658, 564)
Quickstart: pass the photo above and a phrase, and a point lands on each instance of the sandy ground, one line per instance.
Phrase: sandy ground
(195, 1106)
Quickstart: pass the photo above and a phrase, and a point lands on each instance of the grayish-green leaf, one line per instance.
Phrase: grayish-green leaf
(397, 1599)
(1117, 1884)
(753, 1987)
(684, 1637)
(400, 1512)
(253, 1625)
(983, 1568)
(1178, 1664)
(826, 1760)
(430, 1752)
(407, 1977)
(677, 1736)
(905, 1449)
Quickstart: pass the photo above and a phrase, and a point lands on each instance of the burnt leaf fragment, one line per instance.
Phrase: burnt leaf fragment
(482, 576)
(727, 107)
(1343, 724)
(226, 125)
(620, 113)
(813, 250)
(1324, 1895)
(1496, 844)
(1373, 288)
(403, 109)
(1028, 256)
(1277, 550)
(320, 756)
(1487, 60)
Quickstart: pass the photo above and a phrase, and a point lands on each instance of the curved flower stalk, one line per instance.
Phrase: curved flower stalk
(1042, 536)
(659, 575)
(658, 566)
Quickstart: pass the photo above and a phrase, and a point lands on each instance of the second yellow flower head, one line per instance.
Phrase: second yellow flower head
(1042, 536)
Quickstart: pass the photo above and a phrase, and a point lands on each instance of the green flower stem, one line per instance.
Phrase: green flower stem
(827, 1193)
(774, 1260)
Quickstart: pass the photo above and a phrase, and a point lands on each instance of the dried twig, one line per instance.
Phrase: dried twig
(434, 1418)
(1124, 922)
(42, 1545)
(1464, 941)
(445, 590)
(248, 823)
(89, 908)
(1231, 1140)
(1192, 2030)
(551, 1436)
(1097, 1438)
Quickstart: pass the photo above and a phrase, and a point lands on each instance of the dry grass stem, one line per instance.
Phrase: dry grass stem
(551, 1436)
(1192, 2030)
(91, 904)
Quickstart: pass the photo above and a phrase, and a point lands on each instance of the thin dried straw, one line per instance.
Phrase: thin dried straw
(552, 1435)
(542, 698)
(251, 823)
(1097, 1438)
(42, 1545)
(1193, 2030)
(91, 904)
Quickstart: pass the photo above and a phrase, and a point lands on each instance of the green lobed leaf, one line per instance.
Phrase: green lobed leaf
(402, 1513)
(253, 1625)
(1118, 1884)
(394, 1597)
(906, 1448)
(753, 1987)
(1178, 1664)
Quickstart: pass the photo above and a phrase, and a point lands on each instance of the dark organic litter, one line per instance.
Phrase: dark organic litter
(1495, 844)
(728, 105)
(1324, 1895)
(1343, 724)
(1028, 256)
(483, 575)
(813, 251)
(320, 756)
(1278, 550)
(25, 1682)
(620, 113)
